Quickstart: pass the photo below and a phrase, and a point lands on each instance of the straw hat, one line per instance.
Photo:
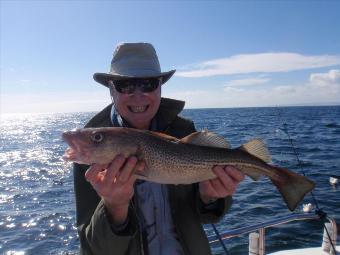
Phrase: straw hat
(133, 60)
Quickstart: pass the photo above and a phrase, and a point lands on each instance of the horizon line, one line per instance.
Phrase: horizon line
(189, 108)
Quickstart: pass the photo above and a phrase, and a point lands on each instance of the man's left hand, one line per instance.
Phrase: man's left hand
(228, 178)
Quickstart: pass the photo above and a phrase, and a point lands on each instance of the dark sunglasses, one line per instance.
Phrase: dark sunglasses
(129, 86)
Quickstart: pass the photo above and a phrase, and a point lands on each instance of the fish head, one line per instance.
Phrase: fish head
(95, 145)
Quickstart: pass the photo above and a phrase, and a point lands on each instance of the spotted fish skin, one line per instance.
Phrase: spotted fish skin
(169, 160)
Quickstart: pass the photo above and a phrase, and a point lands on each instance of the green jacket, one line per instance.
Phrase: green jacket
(188, 213)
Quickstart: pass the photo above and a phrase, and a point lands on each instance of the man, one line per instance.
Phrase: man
(117, 214)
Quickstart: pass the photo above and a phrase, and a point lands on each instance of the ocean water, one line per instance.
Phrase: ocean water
(37, 207)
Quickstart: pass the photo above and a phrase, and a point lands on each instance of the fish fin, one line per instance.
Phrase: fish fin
(251, 172)
(164, 136)
(255, 175)
(257, 148)
(292, 186)
(141, 176)
(206, 138)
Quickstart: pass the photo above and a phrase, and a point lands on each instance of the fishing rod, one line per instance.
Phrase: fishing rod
(285, 130)
(220, 239)
(318, 210)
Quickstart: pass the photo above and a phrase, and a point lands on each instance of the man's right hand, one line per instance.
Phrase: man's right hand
(114, 184)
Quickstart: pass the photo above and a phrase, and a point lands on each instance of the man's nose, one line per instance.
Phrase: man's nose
(138, 91)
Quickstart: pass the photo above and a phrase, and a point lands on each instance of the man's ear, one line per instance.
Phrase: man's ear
(111, 93)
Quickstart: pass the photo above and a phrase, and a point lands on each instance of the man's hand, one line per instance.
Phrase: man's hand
(114, 184)
(228, 177)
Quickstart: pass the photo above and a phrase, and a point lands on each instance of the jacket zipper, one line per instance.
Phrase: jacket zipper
(140, 234)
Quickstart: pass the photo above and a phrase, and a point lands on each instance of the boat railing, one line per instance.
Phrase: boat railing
(257, 231)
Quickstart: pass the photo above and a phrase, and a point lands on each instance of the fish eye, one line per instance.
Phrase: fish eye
(97, 137)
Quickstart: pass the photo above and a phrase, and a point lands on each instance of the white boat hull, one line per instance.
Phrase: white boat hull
(306, 251)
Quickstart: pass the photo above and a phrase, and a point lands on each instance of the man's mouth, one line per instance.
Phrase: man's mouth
(138, 109)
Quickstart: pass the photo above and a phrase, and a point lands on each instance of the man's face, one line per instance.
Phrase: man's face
(137, 108)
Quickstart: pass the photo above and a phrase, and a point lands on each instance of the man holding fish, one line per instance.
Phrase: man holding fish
(117, 212)
(129, 201)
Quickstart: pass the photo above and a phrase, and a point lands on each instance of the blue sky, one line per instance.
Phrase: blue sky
(227, 53)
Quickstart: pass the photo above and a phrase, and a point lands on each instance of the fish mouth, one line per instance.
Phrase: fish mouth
(75, 149)
(70, 154)
(138, 109)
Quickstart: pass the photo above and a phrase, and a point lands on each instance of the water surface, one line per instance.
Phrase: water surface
(37, 207)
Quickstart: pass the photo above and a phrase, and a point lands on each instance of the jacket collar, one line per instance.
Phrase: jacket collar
(167, 112)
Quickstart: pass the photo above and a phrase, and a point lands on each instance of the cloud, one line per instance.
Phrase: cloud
(258, 63)
(247, 82)
(320, 89)
(25, 81)
(326, 79)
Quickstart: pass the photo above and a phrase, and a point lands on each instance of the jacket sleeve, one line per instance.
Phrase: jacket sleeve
(94, 229)
(214, 212)
(211, 213)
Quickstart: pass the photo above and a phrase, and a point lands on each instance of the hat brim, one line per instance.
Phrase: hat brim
(104, 78)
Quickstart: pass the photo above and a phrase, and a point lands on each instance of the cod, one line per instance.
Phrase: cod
(169, 160)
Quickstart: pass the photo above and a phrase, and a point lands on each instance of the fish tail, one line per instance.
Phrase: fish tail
(292, 186)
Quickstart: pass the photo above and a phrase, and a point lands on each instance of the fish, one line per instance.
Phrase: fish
(169, 160)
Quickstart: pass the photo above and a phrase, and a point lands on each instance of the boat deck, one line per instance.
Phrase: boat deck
(307, 251)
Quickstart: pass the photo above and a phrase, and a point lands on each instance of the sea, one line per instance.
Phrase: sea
(37, 205)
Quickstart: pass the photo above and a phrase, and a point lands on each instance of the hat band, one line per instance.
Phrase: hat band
(134, 72)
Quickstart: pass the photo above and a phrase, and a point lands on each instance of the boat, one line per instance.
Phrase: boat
(257, 235)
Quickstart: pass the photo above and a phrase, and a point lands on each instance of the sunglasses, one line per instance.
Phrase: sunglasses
(129, 86)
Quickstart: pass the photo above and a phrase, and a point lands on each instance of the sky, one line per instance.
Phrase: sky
(226, 53)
